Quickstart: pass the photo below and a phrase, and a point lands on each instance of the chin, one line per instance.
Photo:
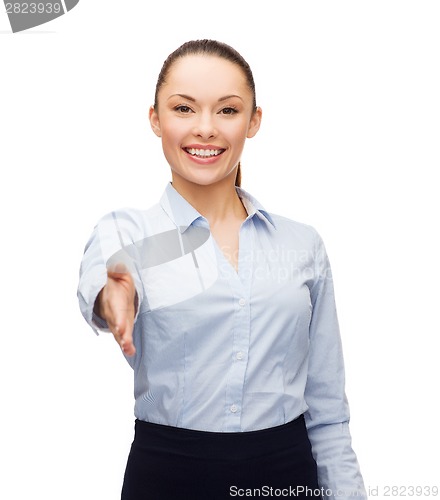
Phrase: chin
(205, 179)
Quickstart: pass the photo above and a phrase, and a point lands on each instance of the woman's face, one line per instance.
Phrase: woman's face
(204, 115)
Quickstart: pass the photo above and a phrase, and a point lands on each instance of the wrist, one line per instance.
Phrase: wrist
(97, 308)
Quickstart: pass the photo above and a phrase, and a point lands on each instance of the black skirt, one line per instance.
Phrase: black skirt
(167, 463)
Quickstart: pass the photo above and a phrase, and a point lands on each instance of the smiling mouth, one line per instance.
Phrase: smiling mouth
(204, 153)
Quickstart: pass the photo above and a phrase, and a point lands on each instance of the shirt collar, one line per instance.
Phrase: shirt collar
(183, 214)
(254, 207)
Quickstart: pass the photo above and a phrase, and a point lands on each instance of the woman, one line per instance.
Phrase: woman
(225, 312)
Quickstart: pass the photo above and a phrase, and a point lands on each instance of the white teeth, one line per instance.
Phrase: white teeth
(204, 153)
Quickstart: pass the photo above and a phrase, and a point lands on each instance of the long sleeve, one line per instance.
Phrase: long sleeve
(327, 418)
(108, 244)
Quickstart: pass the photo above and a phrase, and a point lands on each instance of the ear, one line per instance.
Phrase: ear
(154, 121)
(254, 124)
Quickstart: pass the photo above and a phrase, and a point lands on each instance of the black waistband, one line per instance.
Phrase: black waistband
(243, 445)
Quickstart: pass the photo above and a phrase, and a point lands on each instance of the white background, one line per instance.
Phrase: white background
(349, 144)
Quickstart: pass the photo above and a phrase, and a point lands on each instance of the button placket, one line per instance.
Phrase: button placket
(240, 287)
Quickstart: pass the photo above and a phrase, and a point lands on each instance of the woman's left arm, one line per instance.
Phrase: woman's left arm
(328, 416)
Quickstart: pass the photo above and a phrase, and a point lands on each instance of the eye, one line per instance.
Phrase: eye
(229, 111)
(183, 109)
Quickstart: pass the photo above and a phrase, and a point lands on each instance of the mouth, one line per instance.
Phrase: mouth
(204, 153)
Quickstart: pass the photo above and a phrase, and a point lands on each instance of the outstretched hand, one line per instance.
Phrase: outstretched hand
(116, 305)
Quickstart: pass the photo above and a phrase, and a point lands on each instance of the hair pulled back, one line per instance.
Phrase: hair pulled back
(209, 48)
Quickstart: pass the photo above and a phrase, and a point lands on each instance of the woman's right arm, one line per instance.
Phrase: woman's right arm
(110, 289)
(116, 305)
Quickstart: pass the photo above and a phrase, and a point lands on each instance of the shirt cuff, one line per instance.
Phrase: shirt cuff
(99, 324)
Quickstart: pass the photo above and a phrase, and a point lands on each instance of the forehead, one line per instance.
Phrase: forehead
(202, 75)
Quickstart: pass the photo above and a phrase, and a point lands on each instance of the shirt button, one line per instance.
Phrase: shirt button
(241, 302)
(239, 355)
(233, 409)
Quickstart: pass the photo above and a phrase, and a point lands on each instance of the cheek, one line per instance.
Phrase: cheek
(172, 134)
(237, 132)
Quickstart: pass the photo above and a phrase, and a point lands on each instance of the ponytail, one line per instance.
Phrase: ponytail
(238, 176)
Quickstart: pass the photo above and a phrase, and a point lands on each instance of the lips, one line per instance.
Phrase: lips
(204, 152)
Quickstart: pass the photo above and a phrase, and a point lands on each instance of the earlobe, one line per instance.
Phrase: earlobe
(154, 122)
(255, 123)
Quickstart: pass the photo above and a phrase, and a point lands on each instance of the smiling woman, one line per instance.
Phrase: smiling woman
(204, 97)
(225, 311)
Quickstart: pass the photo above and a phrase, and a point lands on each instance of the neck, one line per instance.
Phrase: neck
(216, 202)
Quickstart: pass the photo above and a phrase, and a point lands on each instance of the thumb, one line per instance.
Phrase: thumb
(118, 268)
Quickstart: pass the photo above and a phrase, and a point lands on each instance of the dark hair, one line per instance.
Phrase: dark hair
(211, 48)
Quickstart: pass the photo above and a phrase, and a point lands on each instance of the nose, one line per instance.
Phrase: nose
(204, 127)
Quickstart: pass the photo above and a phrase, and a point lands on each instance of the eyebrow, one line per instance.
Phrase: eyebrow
(189, 98)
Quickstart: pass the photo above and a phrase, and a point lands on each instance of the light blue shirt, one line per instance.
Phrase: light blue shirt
(225, 350)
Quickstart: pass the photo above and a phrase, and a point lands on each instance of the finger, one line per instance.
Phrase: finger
(128, 347)
(124, 337)
(118, 268)
(120, 272)
(127, 337)
(127, 340)
(117, 329)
